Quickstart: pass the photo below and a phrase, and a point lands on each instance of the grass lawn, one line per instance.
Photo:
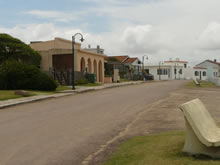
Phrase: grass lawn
(203, 84)
(161, 149)
(9, 94)
(90, 84)
(5, 95)
(124, 80)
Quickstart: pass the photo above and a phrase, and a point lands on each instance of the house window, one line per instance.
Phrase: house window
(147, 71)
(158, 71)
(215, 74)
(185, 65)
(175, 71)
(162, 72)
(196, 73)
(180, 71)
(203, 73)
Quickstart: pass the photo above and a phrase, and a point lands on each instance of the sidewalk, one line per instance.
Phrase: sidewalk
(79, 89)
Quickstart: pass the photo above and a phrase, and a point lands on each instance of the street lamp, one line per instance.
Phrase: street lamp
(159, 70)
(143, 62)
(73, 54)
(175, 70)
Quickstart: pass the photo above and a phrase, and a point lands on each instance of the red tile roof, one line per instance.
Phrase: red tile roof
(130, 60)
(119, 58)
(214, 62)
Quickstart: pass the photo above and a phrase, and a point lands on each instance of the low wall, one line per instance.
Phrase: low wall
(108, 80)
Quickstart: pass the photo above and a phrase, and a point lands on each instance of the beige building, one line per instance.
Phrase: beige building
(57, 54)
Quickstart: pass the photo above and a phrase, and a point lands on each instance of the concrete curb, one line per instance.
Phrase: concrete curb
(14, 102)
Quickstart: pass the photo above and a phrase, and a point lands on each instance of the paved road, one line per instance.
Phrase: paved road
(64, 131)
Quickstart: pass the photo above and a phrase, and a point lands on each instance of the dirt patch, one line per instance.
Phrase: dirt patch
(164, 115)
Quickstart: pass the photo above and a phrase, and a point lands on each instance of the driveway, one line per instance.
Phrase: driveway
(66, 130)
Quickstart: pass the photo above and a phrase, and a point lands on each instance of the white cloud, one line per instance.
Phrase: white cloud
(185, 29)
(210, 37)
(54, 15)
(39, 32)
(142, 39)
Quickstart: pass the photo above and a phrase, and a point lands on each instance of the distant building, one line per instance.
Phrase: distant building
(167, 70)
(124, 64)
(94, 50)
(213, 68)
(199, 73)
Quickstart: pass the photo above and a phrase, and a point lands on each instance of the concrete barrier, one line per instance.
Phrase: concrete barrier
(202, 133)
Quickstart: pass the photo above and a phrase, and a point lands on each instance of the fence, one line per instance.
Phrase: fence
(64, 77)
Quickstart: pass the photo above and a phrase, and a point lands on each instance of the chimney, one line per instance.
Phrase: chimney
(215, 60)
(98, 49)
(89, 46)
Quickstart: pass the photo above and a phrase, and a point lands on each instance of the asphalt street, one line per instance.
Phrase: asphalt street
(64, 131)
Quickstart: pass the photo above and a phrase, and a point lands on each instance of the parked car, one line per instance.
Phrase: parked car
(149, 77)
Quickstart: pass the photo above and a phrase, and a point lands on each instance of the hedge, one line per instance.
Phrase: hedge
(18, 75)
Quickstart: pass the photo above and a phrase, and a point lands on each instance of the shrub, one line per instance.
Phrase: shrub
(18, 75)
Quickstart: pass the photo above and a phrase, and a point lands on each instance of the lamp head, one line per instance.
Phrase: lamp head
(82, 39)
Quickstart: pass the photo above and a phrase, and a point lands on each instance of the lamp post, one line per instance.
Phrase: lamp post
(160, 70)
(143, 62)
(73, 54)
(175, 70)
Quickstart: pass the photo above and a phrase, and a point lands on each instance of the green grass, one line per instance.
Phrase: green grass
(90, 84)
(62, 88)
(5, 95)
(9, 94)
(203, 84)
(124, 80)
(162, 149)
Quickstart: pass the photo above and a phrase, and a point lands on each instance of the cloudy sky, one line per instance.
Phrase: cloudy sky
(161, 29)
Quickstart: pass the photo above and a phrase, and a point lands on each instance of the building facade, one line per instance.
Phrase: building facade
(213, 68)
(167, 70)
(199, 73)
(57, 54)
(124, 64)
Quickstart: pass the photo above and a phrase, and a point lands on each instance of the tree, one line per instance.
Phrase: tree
(112, 59)
(14, 49)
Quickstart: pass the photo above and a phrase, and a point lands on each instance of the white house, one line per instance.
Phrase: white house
(177, 68)
(213, 68)
(196, 72)
(168, 70)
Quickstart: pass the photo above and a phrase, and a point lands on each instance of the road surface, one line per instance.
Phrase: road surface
(64, 131)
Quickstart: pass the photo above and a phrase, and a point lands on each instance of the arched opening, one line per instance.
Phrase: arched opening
(95, 69)
(196, 73)
(89, 66)
(82, 65)
(100, 71)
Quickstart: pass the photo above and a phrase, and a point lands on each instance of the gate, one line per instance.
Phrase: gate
(64, 77)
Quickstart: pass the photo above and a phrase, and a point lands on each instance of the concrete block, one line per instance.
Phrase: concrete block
(22, 93)
(202, 133)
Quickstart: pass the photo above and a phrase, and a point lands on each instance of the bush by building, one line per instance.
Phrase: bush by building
(18, 75)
